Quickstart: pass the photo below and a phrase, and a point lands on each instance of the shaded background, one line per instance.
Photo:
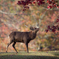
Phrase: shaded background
(13, 18)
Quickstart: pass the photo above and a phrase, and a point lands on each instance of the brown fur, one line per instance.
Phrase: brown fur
(24, 37)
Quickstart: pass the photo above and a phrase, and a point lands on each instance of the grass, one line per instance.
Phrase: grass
(30, 55)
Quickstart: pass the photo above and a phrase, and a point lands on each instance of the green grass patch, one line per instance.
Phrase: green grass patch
(30, 55)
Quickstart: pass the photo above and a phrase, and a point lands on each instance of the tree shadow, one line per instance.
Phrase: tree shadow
(26, 57)
(16, 56)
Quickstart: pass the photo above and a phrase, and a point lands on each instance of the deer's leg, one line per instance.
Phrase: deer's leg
(14, 46)
(27, 47)
(8, 45)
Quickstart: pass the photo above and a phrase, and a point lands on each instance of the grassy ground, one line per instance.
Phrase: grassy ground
(30, 55)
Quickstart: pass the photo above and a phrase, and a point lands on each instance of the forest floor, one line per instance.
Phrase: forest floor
(30, 55)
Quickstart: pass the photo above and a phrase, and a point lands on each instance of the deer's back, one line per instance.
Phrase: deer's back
(20, 36)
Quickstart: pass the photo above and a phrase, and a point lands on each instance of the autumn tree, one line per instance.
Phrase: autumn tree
(47, 5)
(20, 15)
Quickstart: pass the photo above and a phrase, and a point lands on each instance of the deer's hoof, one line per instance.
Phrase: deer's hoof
(6, 51)
(16, 52)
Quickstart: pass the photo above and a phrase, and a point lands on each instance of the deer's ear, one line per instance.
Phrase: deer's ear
(31, 28)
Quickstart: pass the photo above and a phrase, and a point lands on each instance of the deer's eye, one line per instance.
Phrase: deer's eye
(35, 28)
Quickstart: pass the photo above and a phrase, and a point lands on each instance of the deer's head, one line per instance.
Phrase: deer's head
(34, 29)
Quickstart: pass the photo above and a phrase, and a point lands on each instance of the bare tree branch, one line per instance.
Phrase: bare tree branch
(55, 9)
(7, 13)
(8, 24)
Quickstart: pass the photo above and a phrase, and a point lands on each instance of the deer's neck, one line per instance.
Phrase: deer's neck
(32, 35)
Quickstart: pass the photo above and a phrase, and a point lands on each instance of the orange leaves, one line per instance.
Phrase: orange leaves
(23, 21)
(3, 35)
(15, 2)
(53, 17)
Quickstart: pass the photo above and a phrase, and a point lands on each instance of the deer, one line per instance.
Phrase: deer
(24, 37)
